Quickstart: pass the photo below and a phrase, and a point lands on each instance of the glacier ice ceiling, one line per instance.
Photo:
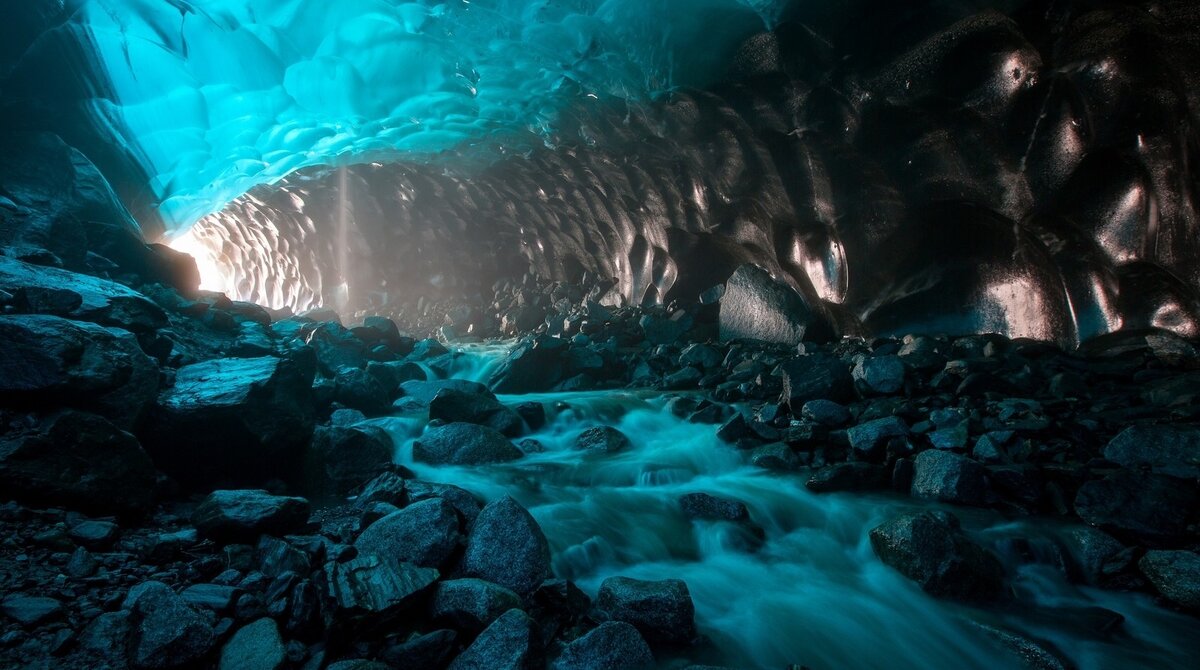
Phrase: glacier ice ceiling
(1025, 167)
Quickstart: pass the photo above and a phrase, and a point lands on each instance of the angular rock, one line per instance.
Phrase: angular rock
(814, 377)
(243, 515)
(422, 393)
(506, 546)
(930, 549)
(77, 460)
(825, 412)
(245, 420)
(343, 458)
(869, 440)
(216, 597)
(534, 365)
(848, 477)
(510, 643)
(949, 477)
(424, 533)
(38, 289)
(613, 645)
(31, 611)
(756, 306)
(255, 646)
(602, 440)
(370, 586)
(662, 611)
(432, 650)
(470, 605)
(882, 375)
(1146, 506)
(388, 487)
(451, 405)
(713, 508)
(1176, 575)
(358, 389)
(168, 633)
(464, 444)
(94, 534)
(1163, 449)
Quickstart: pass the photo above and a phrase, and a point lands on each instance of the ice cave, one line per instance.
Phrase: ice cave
(599, 334)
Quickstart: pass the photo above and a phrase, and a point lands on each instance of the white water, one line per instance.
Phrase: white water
(815, 593)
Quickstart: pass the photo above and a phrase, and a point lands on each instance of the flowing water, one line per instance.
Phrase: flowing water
(814, 593)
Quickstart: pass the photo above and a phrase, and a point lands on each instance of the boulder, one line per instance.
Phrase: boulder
(343, 458)
(665, 329)
(244, 515)
(374, 587)
(534, 365)
(931, 549)
(825, 412)
(613, 645)
(1176, 575)
(470, 605)
(431, 650)
(1162, 449)
(31, 611)
(255, 646)
(424, 533)
(712, 508)
(602, 440)
(756, 306)
(482, 409)
(77, 460)
(853, 476)
(814, 377)
(168, 632)
(358, 389)
(38, 289)
(423, 393)
(1146, 506)
(506, 546)
(94, 534)
(243, 420)
(662, 611)
(48, 361)
(869, 440)
(388, 487)
(511, 642)
(949, 477)
(703, 356)
(880, 375)
(464, 444)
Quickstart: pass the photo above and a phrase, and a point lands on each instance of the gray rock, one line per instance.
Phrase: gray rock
(360, 390)
(243, 515)
(216, 597)
(431, 650)
(930, 549)
(882, 375)
(506, 546)
(276, 556)
(464, 444)
(369, 586)
(388, 487)
(662, 611)
(825, 412)
(533, 365)
(106, 639)
(602, 440)
(613, 645)
(756, 306)
(712, 508)
(1094, 553)
(852, 476)
(1142, 505)
(255, 646)
(1164, 450)
(470, 605)
(663, 329)
(342, 458)
(703, 356)
(30, 611)
(425, 533)
(869, 440)
(949, 477)
(38, 289)
(482, 409)
(814, 377)
(1176, 575)
(168, 633)
(94, 534)
(509, 643)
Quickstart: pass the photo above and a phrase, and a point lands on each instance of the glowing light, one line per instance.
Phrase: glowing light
(214, 274)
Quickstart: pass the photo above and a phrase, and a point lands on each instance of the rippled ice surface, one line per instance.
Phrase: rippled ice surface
(815, 593)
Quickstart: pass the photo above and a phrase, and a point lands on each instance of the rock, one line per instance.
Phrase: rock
(388, 487)
(506, 546)
(464, 444)
(481, 409)
(216, 597)
(712, 508)
(534, 365)
(777, 457)
(423, 393)
(758, 307)
(38, 289)
(990, 447)
(683, 380)
(470, 605)
(825, 412)
(662, 611)
(613, 645)
(930, 549)
(432, 650)
(358, 389)
(106, 639)
(342, 458)
(463, 501)
(509, 643)
(1176, 575)
(255, 646)
(1033, 655)
(1093, 552)
(243, 419)
(814, 377)
(276, 557)
(1147, 506)
(94, 534)
(949, 477)
(168, 633)
(848, 477)
(370, 586)
(869, 440)
(602, 440)
(424, 533)
(1163, 449)
(31, 611)
(703, 356)
(662, 329)
(48, 361)
(881, 375)
(77, 460)
(82, 564)
(243, 515)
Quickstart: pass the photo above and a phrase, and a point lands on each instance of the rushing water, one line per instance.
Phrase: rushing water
(814, 593)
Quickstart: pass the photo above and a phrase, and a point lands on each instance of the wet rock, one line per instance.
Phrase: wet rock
(613, 645)
(49, 361)
(77, 460)
(662, 611)
(276, 557)
(216, 597)
(777, 457)
(758, 307)
(713, 508)
(358, 389)
(703, 356)
(82, 564)
(602, 440)
(848, 477)
(342, 458)
(507, 547)
(168, 632)
(815, 377)
(388, 487)
(1148, 506)
(243, 515)
(255, 646)
(94, 534)
(106, 639)
(31, 611)
(930, 549)
(432, 650)
(1094, 553)
(1034, 656)
(471, 605)
(1176, 575)
(424, 533)
(509, 643)
(370, 586)
(482, 409)
(462, 500)
(1163, 449)
(37, 289)
(881, 375)
(825, 412)
(870, 440)
(534, 365)
(464, 444)
(244, 419)
(949, 477)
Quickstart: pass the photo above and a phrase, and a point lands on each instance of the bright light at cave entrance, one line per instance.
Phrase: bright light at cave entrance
(214, 275)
